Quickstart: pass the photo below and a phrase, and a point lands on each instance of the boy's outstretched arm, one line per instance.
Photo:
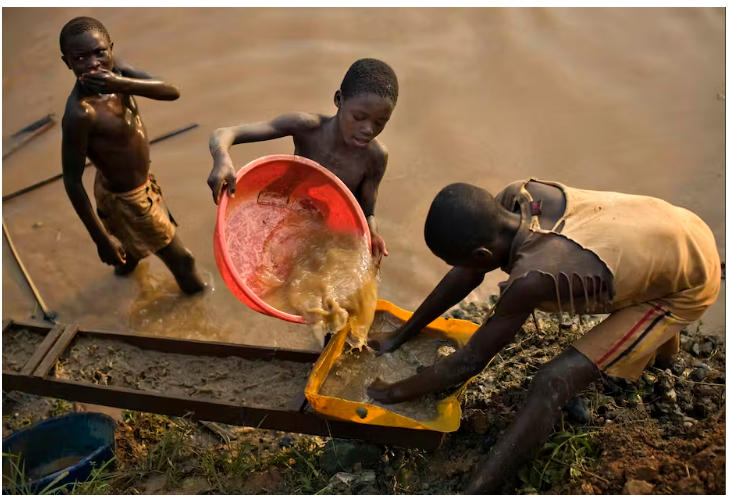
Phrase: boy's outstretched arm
(223, 173)
(128, 70)
(131, 81)
(455, 286)
(368, 192)
(510, 313)
(76, 126)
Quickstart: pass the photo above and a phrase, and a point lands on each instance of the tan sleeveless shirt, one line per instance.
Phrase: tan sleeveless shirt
(637, 248)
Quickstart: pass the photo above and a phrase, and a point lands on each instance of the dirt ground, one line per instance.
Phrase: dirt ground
(663, 435)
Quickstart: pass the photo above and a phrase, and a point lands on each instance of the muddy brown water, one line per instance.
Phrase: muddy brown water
(622, 99)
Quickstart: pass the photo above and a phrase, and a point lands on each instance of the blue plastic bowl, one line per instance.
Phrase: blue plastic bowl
(76, 443)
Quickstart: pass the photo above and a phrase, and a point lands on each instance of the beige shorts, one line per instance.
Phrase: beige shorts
(625, 342)
(138, 218)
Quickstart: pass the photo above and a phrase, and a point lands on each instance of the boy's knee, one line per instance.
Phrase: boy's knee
(564, 376)
(549, 381)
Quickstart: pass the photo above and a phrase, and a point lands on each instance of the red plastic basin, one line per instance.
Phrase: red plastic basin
(253, 224)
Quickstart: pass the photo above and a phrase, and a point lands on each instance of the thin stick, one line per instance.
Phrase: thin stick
(47, 315)
(534, 317)
(27, 138)
(174, 132)
(35, 125)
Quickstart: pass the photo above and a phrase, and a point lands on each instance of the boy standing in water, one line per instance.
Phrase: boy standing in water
(102, 122)
(345, 143)
(653, 266)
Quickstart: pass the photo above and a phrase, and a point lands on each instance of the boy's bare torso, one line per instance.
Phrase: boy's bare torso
(351, 165)
(117, 141)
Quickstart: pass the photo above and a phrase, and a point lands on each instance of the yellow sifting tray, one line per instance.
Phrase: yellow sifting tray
(449, 409)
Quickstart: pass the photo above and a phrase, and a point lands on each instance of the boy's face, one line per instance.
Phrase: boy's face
(362, 117)
(88, 52)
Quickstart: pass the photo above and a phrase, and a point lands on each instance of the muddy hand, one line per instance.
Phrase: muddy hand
(380, 391)
(379, 248)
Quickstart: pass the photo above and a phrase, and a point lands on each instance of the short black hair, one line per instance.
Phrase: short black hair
(79, 25)
(371, 76)
(462, 218)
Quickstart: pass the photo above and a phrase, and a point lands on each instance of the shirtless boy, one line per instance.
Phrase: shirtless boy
(345, 143)
(102, 122)
(653, 266)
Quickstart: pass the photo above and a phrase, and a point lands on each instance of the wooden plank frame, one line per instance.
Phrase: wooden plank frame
(297, 418)
(51, 333)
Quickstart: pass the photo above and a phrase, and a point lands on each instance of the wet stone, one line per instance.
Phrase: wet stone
(698, 375)
(649, 378)
(458, 314)
(678, 367)
(686, 343)
(341, 455)
(707, 348)
(670, 396)
(704, 408)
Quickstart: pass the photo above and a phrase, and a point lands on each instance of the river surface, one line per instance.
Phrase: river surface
(616, 99)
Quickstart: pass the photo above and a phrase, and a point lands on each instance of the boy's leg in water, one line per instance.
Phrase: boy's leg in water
(552, 387)
(128, 267)
(181, 262)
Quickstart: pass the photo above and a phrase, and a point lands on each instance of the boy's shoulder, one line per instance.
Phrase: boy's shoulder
(78, 110)
(378, 152)
(304, 121)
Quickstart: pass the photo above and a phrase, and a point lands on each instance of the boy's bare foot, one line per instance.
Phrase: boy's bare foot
(127, 268)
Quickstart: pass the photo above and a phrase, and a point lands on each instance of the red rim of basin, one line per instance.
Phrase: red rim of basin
(221, 231)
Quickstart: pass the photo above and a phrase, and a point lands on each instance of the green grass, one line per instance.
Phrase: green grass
(303, 462)
(566, 455)
(173, 452)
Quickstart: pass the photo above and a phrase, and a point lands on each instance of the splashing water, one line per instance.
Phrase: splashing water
(305, 268)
